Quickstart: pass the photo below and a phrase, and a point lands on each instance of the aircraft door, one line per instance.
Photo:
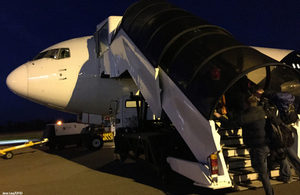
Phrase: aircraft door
(102, 46)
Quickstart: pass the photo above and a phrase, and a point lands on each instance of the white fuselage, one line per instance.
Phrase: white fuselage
(277, 54)
(71, 84)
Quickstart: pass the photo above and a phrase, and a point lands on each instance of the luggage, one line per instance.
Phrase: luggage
(285, 104)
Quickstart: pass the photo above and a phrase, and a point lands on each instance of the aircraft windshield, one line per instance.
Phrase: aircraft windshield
(54, 53)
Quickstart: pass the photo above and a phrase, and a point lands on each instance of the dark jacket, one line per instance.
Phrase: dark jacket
(253, 121)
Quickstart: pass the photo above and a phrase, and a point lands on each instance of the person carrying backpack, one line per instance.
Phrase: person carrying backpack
(253, 120)
(277, 134)
(280, 110)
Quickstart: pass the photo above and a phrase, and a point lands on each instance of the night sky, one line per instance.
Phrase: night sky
(29, 26)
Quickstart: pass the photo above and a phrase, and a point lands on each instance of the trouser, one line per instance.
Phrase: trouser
(259, 163)
(285, 171)
(291, 154)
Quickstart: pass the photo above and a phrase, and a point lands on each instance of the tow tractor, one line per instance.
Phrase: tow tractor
(8, 154)
(91, 131)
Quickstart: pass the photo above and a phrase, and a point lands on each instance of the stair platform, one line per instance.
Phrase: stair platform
(235, 151)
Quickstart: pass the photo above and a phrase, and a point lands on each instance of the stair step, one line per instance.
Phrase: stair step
(238, 162)
(230, 132)
(255, 184)
(232, 141)
(248, 174)
(234, 151)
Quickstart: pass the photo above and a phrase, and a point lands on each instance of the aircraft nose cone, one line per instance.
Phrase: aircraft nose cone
(16, 81)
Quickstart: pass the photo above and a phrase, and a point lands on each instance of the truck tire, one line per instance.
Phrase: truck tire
(94, 142)
(9, 155)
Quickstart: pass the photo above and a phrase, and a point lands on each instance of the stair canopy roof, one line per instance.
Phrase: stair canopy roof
(203, 60)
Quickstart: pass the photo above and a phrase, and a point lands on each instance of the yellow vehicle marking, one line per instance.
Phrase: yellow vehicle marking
(108, 136)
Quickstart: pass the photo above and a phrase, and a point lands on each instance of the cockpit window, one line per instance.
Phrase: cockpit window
(64, 53)
(40, 55)
(54, 54)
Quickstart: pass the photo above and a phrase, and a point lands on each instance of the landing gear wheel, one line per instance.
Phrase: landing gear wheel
(94, 143)
(9, 155)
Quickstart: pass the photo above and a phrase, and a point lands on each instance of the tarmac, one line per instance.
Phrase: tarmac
(37, 170)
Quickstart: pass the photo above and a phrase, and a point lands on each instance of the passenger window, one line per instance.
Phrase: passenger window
(64, 53)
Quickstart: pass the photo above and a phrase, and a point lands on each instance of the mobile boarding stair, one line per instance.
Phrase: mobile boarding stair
(182, 66)
(239, 163)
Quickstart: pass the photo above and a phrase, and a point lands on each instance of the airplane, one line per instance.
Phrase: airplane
(182, 71)
(68, 77)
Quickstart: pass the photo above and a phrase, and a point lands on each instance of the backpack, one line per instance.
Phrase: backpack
(289, 133)
(275, 158)
(279, 134)
(285, 104)
(274, 135)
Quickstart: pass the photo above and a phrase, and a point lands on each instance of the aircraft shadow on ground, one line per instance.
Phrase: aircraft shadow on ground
(173, 184)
